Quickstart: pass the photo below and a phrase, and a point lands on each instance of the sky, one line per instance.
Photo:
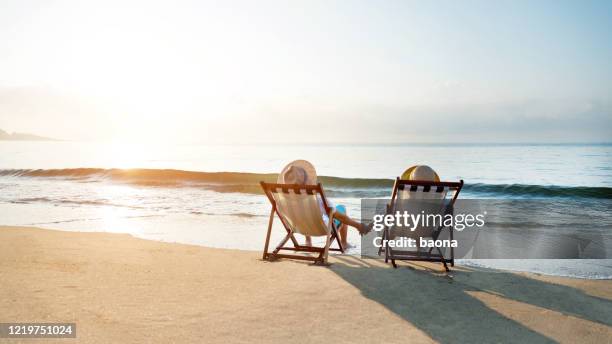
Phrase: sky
(308, 71)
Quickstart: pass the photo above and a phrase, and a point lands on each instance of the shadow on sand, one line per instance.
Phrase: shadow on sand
(442, 307)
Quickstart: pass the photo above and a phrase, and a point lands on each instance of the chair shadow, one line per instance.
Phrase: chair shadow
(441, 306)
(555, 297)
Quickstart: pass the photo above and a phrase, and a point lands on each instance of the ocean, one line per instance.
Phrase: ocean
(209, 194)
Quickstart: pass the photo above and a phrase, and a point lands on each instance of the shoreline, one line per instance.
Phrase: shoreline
(587, 269)
(120, 288)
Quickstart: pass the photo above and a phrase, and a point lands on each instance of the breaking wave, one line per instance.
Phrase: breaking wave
(240, 182)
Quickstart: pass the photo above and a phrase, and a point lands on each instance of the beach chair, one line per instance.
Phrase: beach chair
(417, 196)
(299, 211)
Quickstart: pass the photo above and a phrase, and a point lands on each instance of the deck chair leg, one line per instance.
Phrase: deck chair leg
(326, 249)
(391, 257)
(336, 237)
(270, 222)
(382, 241)
(283, 242)
(386, 249)
(324, 253)
(443, 260)
(387, 254)
(445, 266)
(452, 249)
(293, 240)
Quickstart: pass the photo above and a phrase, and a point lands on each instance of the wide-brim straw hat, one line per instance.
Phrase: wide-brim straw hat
(304, 170)
(420, 172)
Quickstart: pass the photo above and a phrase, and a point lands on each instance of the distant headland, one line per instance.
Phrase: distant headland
(5, 136)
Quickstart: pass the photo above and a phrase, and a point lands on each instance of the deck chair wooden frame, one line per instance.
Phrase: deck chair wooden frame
(270, 189)
(392, 254)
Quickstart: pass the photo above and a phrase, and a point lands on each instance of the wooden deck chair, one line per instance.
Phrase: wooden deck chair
(415, 196)
(297, 207)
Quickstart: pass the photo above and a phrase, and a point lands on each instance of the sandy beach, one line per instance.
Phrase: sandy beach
(118, 288)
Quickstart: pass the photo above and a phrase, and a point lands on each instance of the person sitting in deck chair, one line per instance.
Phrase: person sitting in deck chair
(303, 172)
(419, 190)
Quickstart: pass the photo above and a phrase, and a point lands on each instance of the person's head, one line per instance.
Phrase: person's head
(421, 172)
(298, 172)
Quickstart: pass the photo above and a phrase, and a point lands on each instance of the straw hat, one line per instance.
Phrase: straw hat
(298, 172)
(420, 172)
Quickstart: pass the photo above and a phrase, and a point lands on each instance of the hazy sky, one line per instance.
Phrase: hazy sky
(309, 71)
